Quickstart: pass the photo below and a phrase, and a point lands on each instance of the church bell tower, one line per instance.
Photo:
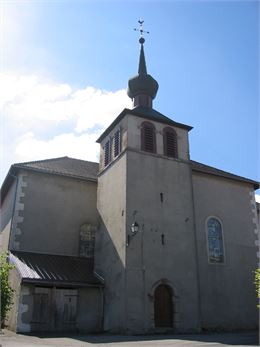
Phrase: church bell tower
(145, 245)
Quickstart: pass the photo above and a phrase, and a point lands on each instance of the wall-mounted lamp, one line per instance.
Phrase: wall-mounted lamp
(135, 228)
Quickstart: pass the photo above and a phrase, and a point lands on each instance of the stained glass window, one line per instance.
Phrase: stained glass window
(215, 241)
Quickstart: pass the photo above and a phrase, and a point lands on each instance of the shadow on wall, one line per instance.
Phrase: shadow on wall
(109, 265)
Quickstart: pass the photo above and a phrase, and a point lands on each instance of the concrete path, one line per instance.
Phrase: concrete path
(10, 339)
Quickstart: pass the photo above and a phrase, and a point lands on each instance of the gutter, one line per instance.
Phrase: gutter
(61, 283)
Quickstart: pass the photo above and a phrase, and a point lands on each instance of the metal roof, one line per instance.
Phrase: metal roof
(63, 166)
(199, 167)
(54, 269)
(143, 112)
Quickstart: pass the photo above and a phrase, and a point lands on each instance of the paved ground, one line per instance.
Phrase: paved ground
(10, 339)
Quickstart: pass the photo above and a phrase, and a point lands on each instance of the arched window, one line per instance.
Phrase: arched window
(215, 240)
(148, 138)
(170, 142)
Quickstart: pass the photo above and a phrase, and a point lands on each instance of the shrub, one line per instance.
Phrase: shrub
(257, 284)
(7, 292)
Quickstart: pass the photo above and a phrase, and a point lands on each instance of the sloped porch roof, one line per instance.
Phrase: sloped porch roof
(56, 270)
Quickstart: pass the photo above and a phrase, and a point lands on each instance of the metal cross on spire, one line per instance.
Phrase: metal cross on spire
(141, 30)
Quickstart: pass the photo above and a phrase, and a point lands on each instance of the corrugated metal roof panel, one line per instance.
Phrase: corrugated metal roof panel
(56, 269)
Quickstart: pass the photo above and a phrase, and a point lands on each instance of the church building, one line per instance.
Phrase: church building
(146, 241)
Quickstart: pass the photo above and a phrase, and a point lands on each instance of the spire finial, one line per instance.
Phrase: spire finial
(142, 31)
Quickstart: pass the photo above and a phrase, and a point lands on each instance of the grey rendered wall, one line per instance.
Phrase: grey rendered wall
(134, 139)
(54, 208)
(25, 309)
(110, 242)
(150, 261)
(6, 212)
(14, 280)
(228, 298)
(90, 310)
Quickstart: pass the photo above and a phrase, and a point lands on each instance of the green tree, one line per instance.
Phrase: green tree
(257, 284)
(7, 292)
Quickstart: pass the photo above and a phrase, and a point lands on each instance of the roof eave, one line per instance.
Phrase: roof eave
(60, 283)
(10, 177)
(233, 177)
(118, 118)
(135, 112)
(21, 167)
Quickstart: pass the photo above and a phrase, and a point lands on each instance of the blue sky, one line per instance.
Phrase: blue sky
(65, 67)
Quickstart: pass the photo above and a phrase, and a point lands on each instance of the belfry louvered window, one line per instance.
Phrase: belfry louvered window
(117, 143)
(170, 142)
(148, 139)
(107, 155)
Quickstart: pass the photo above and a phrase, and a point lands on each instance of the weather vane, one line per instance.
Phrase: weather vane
(141, 30)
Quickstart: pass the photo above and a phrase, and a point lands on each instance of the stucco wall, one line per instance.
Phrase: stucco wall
(134, 136)
(90, 310)
(57, 314)
(130, 127)
(14, 280)
(228, 298)
(159, 199)
(54, 208)
(110, 242)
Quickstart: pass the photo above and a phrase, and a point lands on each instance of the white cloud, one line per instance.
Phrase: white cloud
(32, 99)
(42, 118)
(82, 146)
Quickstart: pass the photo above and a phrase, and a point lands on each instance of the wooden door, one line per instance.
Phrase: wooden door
(41, 315)
(66, 309)
(163, 306)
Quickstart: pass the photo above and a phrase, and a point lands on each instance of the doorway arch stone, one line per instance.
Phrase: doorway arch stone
(163, 292)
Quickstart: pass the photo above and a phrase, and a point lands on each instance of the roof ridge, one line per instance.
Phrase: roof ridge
(51, 160)
(39, 161)
(85, 161)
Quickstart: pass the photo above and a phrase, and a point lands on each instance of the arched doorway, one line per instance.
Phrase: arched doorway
(163, 306)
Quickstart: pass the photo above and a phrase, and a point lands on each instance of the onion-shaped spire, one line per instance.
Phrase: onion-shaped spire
(142, 88)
